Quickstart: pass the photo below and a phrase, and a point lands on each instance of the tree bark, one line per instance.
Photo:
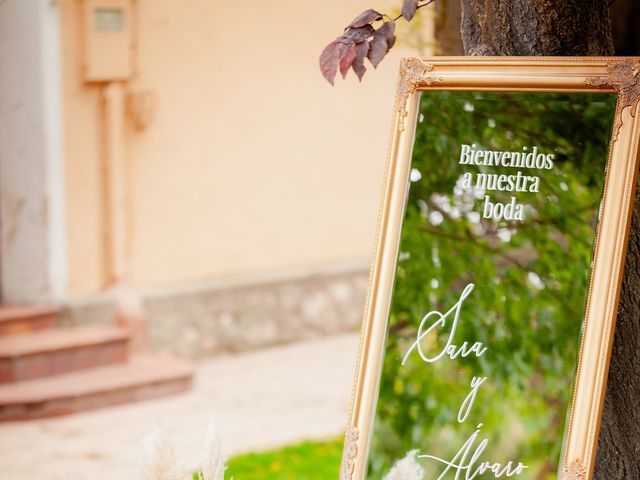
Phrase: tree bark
(577, 27)
(624, 16)
(536, 27)
(618, 455)
(447, 26)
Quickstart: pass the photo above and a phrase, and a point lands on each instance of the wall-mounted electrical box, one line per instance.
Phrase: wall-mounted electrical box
(108, 40)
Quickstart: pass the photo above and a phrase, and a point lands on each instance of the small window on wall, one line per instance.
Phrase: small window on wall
(109, 20)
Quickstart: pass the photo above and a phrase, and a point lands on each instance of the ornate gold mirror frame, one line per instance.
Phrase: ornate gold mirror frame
(616, 75)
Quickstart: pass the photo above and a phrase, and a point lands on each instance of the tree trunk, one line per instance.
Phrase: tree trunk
(536, 27)
(577, 27)
(618, 455)
(624, 16)
(447, 26)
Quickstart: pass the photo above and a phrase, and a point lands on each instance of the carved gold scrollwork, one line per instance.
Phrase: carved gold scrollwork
(414, 72)
(349, 454)
(574, 471)
(623, 77)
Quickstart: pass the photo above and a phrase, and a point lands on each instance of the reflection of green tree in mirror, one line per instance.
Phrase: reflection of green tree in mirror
(531, 279)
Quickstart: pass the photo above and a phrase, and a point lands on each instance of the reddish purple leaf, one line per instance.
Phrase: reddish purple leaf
(329, 59)
(357, 35)
(377, 50)
(358, 63)
(388, 29)
(365, 18)
(347, 59)
(409, 8)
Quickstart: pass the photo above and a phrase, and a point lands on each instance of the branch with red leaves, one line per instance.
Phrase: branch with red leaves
(362, 40)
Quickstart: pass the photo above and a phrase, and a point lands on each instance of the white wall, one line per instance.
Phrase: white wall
(32, 244)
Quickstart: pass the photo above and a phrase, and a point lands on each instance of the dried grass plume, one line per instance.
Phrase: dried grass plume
(214, 457)
(406, 469)
(159, 459)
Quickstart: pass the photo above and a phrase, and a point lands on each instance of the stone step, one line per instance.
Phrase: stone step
(24, 319)
(144, 377)
(58, 351)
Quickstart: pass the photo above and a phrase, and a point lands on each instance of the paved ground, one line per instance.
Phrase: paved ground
(259, 400)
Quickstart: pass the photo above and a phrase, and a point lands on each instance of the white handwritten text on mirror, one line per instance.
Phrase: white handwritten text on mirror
(467, 460)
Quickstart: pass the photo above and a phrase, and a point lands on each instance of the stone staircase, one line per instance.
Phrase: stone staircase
(46, 370)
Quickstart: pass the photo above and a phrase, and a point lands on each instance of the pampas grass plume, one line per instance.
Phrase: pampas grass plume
(406, 469)
(159, 459)
(214, 457)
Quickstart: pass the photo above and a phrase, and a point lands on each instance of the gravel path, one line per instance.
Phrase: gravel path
(259, 400)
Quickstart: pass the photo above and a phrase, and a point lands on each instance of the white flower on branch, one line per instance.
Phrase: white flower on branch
(406, 469)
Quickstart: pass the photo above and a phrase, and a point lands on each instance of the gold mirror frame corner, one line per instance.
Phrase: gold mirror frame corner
(620, 75)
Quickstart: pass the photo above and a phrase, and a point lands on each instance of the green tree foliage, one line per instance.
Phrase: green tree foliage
(531, 279)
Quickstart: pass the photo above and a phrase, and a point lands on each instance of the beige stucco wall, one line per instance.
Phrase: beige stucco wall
(252, 164)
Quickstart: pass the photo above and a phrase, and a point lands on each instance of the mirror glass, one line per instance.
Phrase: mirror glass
(490, 285)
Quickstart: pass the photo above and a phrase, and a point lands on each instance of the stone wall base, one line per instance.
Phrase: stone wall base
(240, 314)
